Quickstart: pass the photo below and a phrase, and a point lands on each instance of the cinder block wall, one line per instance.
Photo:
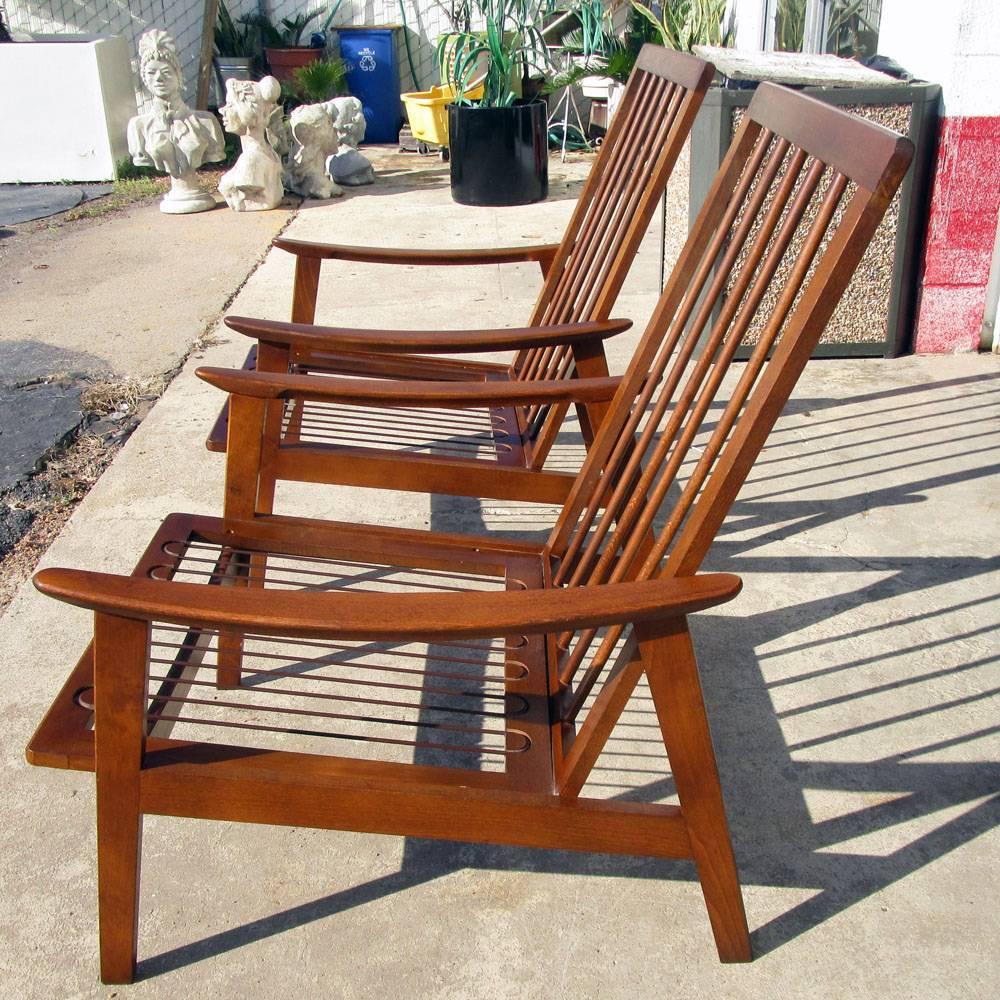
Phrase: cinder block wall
(958, 46)
(183, 19)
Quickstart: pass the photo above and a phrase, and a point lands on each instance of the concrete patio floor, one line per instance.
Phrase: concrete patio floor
(851, 687)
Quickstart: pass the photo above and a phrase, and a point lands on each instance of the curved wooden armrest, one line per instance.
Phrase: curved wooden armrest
(334, 338)
(392, 392)
(384, 255)
(376, 616)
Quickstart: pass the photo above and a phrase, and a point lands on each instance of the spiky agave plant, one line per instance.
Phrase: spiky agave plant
(512, 41)
(683, 24)
(790, 25)
(232, 41)
(287, 33)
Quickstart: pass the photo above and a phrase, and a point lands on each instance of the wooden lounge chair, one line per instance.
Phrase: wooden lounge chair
(231, 683)
(499, 451)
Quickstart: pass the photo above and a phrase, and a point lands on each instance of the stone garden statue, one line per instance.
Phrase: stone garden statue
(314, 143)
(172, 137)
(348, 166)
(254, 182)
(348, 119)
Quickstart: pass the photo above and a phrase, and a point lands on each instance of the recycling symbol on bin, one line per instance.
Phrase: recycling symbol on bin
(367, 60)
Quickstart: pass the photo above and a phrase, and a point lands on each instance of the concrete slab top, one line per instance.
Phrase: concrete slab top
(798, 68)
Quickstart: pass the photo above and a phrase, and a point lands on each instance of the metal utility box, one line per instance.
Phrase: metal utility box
(66, 105)
(875, 317)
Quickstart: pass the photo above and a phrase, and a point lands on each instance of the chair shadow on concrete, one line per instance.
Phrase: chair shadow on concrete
(823, 807)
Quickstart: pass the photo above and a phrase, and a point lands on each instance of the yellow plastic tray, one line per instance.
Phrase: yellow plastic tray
(427, 111)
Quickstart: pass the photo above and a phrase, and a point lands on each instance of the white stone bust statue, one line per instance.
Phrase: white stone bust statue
(348, 119)
(314, 142)
(173, 137)
(348, 166)
(254, 182)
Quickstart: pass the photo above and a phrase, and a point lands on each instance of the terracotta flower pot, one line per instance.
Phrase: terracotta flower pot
(284, 62)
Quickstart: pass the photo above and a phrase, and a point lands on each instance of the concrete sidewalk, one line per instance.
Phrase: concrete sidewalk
(851, 689)
(127, 293)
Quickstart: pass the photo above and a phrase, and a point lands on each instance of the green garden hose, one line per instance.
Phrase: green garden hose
(406, 42)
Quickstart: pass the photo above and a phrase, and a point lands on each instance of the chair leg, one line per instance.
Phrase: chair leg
(305, 289)
(120, 676)
(119, 846)
(672, 673)
(228, 672)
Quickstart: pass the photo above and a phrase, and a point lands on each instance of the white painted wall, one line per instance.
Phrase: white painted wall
(64, 132)
(750, 16)
(955, 44)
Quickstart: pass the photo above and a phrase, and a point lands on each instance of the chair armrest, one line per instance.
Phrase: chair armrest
(391, 392)
(376, 616)
(544, 253)
(305, 336)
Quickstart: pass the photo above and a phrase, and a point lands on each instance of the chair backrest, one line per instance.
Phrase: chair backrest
(624, 186)
(790, 213)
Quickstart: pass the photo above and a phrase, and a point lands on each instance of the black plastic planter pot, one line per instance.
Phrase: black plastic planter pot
(499, 156)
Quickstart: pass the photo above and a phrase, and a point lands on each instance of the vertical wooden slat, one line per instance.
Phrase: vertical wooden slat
(804, 330)
(599, 180)
(702, 233)
(600, 722)
(638, 474)
(208, 21)
(243, 449)
(585, 568)
(699, 395)
(637, 520)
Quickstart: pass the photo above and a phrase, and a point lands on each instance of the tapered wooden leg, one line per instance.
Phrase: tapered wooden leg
(590, 363)
(272, 358)
(244, 474)
(305, 289)
(228, 673)
(672, 672)
(120, 671)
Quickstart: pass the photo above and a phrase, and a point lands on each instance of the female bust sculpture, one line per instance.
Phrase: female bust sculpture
(254, 182)
(314, 142)
(172, 137)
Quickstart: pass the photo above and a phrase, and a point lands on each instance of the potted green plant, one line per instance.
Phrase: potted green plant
(498, 143)
(682, 24)
(282, 42)
(317, 82)
(590, 44)
(235, 47)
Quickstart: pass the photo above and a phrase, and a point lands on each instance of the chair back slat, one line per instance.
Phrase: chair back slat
(616, 205)
(587, 279)
(633, 516)
(577, 560)
(765, 264)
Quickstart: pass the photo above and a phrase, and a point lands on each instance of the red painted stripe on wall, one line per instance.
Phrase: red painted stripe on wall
(960, 237)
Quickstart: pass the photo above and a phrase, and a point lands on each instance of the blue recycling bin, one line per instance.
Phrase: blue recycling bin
(373, 77)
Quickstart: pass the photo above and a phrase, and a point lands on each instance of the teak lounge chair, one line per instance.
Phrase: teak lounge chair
(223, 670)
(500, 451)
